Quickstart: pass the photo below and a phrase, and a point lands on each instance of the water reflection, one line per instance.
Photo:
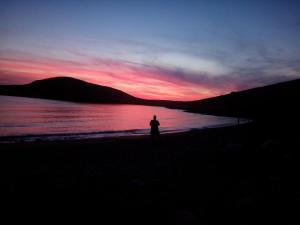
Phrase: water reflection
(27, 116)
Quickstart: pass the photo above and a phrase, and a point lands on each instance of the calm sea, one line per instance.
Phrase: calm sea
(28, 119)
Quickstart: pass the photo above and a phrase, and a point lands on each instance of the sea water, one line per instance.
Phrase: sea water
(31, 119)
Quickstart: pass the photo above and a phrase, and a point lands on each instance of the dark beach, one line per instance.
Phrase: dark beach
(244, 174)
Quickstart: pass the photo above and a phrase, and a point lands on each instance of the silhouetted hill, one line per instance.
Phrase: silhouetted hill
(273, 101)
(74, 90)
(68, 89)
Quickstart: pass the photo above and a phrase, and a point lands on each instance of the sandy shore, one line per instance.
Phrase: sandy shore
(239, 174)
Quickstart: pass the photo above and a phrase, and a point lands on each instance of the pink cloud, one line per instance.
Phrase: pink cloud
(140, 81)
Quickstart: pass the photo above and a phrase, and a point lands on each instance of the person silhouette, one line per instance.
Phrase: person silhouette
(155, 135)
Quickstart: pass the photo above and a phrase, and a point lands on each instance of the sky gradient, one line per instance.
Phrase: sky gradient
(175, 50)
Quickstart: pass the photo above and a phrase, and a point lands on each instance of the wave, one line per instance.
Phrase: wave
(81, 135)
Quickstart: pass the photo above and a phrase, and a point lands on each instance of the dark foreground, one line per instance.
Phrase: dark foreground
(234, 175)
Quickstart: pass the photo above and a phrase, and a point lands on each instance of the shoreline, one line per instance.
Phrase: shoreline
(98, 135)
(46, 138)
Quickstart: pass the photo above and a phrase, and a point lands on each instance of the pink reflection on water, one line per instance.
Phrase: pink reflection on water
(27, 116)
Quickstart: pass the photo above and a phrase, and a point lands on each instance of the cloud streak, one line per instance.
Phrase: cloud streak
(161, 79)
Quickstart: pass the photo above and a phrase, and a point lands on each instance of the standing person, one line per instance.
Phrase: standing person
(154, 129)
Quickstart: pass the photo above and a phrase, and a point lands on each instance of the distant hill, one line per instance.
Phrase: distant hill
(74, 90)
(68, 89)
(271, 101)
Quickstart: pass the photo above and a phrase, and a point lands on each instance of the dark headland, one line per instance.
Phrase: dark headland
(74, 90)
(243, 174)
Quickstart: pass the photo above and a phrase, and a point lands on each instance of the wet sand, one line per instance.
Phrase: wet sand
(245, 174)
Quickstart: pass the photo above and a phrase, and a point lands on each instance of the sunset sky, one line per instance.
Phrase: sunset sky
(175, 50)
